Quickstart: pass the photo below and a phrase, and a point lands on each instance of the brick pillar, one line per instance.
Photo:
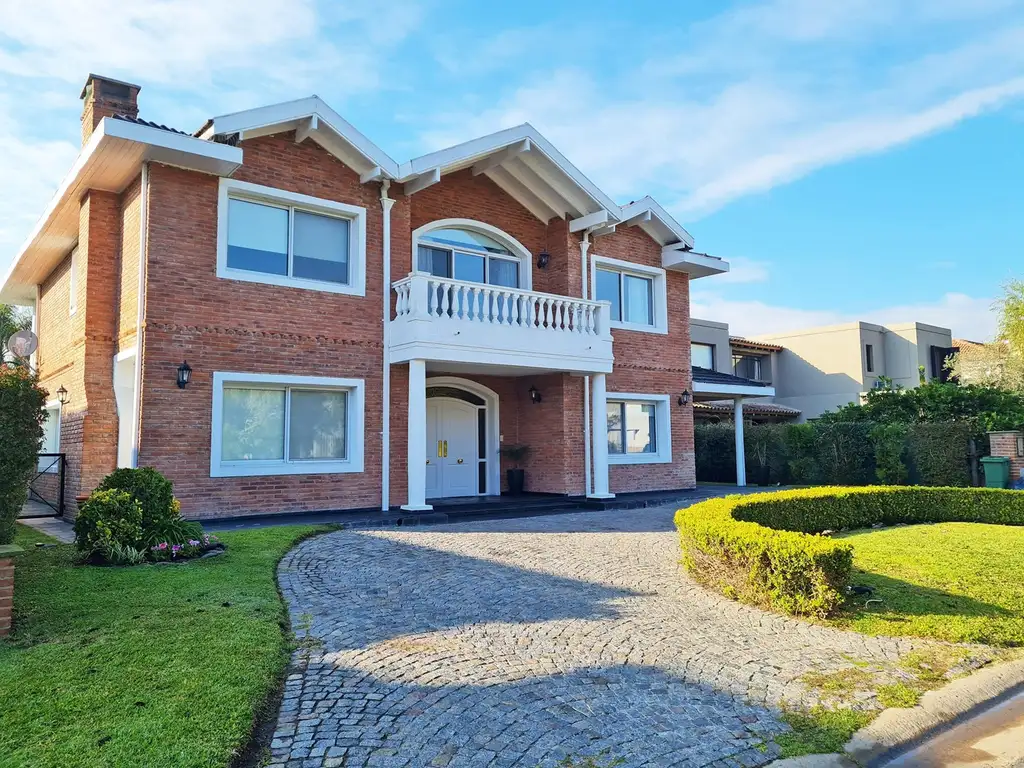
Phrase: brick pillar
(6, 594)
(1005, 444)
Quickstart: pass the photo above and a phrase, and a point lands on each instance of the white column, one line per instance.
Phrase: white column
(600, 432)
(737, 419)
(385, 417)
(417, 448)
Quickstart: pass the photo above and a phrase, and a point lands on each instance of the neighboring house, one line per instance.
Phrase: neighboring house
(712, 349)
(821, 369)
(280, 317)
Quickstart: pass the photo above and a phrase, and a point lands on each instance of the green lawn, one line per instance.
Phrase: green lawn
(145, 666)
(961, 582)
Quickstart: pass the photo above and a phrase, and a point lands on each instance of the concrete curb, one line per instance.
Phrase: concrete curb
(898, 730)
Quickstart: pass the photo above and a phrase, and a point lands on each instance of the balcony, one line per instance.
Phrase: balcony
(473, 325)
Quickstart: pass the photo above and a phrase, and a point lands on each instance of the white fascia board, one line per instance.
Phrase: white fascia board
(650, 205)
(289, 112)
(590, 220)
(156, 145)
(494, 142)
(422, 181)
(677, 259)
(732, 390)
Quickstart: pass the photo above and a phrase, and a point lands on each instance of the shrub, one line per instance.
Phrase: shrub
(21, 430)
(715, 451)
(938, 453)
(109, 522)
(762, 548)
(890, 465)
(152, 490)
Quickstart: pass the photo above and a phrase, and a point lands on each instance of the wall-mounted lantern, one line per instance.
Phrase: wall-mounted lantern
(543, 258)
(535, 395)
(62, 395)
(184, 374)
(684, 399)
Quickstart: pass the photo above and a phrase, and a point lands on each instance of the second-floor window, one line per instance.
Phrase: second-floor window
(637, 294)
(273, 236)
(747, 366)
(869, 357)
(465, 255)
(702, 356)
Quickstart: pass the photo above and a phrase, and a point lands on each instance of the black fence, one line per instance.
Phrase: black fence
(46, 489)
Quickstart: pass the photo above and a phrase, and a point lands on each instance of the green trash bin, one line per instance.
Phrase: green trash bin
(997, 471)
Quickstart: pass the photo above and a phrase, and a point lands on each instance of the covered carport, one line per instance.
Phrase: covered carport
(711, 385)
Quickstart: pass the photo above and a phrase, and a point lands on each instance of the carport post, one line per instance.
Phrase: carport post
(741, 463)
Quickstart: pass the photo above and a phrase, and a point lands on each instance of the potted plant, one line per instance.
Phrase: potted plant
(517, 475)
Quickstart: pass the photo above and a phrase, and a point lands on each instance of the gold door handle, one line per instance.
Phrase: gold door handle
(439, 454)
(446, 449)
(459, 461)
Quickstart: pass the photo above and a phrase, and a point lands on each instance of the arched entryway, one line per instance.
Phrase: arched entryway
(462, 439)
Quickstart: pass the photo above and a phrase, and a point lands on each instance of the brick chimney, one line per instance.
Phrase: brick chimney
(105, 97)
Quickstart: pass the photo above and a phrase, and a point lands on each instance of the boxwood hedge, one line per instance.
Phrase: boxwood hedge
(766, 548)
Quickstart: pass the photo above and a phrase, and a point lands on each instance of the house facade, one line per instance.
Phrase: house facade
(280, 317)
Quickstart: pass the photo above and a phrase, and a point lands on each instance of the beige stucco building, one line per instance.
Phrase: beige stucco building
(820, 369)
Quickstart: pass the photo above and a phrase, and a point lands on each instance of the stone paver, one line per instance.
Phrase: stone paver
(519, 642)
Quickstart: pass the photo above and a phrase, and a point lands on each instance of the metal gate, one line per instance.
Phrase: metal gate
(46, 489)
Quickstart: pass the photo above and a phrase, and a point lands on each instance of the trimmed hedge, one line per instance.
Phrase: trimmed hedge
(763, 549)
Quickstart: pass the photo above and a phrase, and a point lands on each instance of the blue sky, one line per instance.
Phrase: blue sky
(853, 159)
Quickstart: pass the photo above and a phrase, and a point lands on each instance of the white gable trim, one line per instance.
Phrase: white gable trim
(656, 221)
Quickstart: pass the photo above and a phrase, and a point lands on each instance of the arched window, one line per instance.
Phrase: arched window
(466, 254)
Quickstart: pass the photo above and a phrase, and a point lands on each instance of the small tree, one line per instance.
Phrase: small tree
(21, 430)
(12, 320)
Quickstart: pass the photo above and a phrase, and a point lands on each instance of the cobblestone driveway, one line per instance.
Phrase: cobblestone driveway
(518, 642)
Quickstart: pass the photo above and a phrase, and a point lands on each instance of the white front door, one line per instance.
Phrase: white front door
(452, 448)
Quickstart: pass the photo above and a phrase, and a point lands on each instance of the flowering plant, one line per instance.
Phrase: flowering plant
(166, 550)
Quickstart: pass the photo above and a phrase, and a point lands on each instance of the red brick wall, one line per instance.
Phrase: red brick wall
(231, 325)
(1005, 444)
(654, 364)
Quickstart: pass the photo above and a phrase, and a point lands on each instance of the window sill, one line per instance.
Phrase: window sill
(638, 458)
(290, 282)
(281, 468)
(617, 325)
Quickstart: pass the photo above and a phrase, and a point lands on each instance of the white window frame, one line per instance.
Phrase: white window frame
(256, 193)
(662, 422)
(659, 294)
(517, 249)
(73, 283)
(354, 432)
(43, 464)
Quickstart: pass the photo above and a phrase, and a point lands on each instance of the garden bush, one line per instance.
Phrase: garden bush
(109, 526)
(162, 533)
(21, 430)
(766, 549)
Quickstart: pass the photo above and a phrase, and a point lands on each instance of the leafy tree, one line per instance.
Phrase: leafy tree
(21, 430)
(12, 320)
(1000, 363)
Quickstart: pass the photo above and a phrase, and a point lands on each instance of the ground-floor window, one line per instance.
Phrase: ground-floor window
(639, 429)
(265, 424)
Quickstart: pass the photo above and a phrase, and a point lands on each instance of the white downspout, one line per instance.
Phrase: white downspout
(385, 420)
(141, 301)
(588, 482)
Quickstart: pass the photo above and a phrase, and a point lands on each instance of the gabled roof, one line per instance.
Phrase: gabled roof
(310, 118)
(656, 222)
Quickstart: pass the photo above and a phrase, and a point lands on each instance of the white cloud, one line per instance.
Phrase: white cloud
(968, 316)
(766, 94)
(743, 271)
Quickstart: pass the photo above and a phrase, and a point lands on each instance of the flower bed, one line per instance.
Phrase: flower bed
(165, 551)
(767, 548)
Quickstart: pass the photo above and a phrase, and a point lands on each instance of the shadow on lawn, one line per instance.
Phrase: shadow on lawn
(906, 598)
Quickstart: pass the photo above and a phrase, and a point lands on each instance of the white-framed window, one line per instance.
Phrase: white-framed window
(472, 251)
(267, 235)
(638, 294)
(73, 282)
(702, 355)
(51, 437)
(639, 429)
(270, 424)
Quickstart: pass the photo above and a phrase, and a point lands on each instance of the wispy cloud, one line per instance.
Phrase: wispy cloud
(968, 316)
(768, 93)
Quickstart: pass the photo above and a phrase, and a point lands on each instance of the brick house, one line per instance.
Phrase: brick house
(360, 333)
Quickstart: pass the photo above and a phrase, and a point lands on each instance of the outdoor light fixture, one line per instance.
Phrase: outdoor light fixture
(535, 395)
(684, 399)
(543, 258)
(184, 374)
(62, 395)
(1020, 445)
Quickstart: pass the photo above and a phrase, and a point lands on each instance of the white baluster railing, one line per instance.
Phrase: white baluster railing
(422, 296)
